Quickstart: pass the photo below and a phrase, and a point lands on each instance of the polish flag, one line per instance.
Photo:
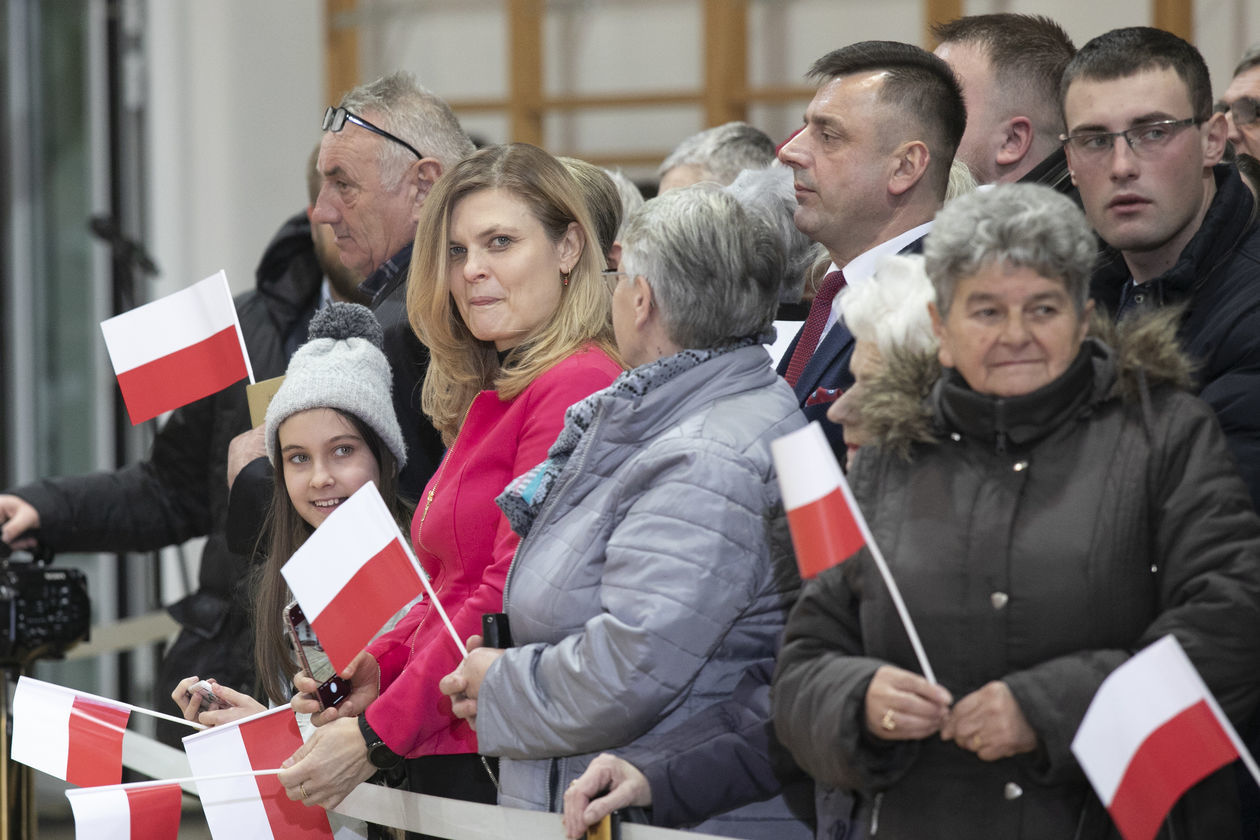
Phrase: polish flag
(352, 575)
(177, 349)
(827, 526)
(252, 806)
(143, 811)
(1151, 732)
(69, 734)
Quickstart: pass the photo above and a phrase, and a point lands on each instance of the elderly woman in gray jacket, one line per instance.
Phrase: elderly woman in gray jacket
(656, 563)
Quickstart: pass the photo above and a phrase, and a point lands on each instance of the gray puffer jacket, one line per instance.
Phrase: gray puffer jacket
(658, 569)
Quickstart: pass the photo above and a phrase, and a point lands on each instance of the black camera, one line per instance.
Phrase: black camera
(45, 611)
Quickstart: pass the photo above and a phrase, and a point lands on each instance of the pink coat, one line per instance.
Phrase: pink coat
(465, 543)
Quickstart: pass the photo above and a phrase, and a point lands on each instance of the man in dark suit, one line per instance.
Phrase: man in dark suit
(871, 165)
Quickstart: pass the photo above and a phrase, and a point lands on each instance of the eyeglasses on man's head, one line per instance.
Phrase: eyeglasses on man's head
(335, 119)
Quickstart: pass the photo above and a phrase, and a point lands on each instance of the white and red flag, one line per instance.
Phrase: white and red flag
(352, 575)
(69, 734)
(1151, 732)
(177, 349)
(253, 806)
(143, 811)
(827, 524)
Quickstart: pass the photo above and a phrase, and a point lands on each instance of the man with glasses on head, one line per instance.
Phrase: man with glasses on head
(1241, 104)
(384, 146)
(1145, 147)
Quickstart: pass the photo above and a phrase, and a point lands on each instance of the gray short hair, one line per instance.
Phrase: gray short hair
(770, 194)
(715, 269)
(630, 194)
(402, 107)
(1250, 59)
(1024, 225)
(891, 309)
(723, 151)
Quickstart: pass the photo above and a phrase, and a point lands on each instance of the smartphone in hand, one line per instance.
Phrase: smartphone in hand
(311, 658)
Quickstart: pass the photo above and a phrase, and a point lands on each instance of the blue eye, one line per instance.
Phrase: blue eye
(1093, 142)
(456, 251)
(501, 241)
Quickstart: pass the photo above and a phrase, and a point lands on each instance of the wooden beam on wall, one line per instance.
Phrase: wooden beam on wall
(725, 60)
(341, 49)
(525, 70)
(939, 11)
(1175, 16)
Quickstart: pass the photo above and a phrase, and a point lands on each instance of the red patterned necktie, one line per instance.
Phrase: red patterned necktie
(814, 323)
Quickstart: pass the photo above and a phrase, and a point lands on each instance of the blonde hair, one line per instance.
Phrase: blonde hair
(460, 365)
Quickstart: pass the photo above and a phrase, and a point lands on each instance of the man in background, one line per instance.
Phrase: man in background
(1241, 102)
(716, 154)
(1009, 66)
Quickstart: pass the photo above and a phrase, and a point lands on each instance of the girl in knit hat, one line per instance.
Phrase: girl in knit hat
(330, 429)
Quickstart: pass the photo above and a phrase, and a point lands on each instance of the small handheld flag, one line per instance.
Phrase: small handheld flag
(827, 524)
(1152, 731)
(177, 349)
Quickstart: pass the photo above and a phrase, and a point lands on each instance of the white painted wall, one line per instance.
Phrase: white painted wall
(235, 94)
(236, 86)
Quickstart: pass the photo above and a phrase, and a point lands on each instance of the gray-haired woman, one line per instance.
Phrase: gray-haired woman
(1050, 506)
(656, 564)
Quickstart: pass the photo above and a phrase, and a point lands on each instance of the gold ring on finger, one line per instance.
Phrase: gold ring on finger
(976, 742)
(302, 788)
(889, 721)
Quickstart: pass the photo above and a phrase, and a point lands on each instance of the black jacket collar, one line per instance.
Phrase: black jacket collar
(1228, 218)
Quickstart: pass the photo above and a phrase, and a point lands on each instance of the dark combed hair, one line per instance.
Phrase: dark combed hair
(273, 653)
(1121, 53)
(1031, 48)
(918, 83)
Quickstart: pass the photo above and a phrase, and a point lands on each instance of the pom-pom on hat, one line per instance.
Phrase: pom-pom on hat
(340, 366)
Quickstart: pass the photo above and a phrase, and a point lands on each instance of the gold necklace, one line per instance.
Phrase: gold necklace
(437, 479)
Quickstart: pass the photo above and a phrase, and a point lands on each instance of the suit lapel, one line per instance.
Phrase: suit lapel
(834, 345)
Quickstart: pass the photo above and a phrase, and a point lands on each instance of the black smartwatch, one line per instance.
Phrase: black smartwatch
(381, 756)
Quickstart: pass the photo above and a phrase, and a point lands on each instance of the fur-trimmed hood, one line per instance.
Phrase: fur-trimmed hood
(1133, 357)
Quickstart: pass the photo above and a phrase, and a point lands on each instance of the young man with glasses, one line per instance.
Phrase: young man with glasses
(1145, 147)
(1241, 104)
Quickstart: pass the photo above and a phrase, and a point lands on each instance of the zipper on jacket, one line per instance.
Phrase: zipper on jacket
(553, 773)
(999, 411)
(879, 800)
(551, 502)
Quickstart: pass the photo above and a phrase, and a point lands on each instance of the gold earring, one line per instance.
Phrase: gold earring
(564, 277)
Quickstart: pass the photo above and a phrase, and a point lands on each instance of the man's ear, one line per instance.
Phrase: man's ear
(423, 175)
(614, 256)
(1017, 141)
(1214, 139)
(911, 161)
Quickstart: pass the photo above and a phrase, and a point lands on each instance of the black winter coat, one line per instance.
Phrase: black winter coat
(1038, 540)
(1217, 280)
